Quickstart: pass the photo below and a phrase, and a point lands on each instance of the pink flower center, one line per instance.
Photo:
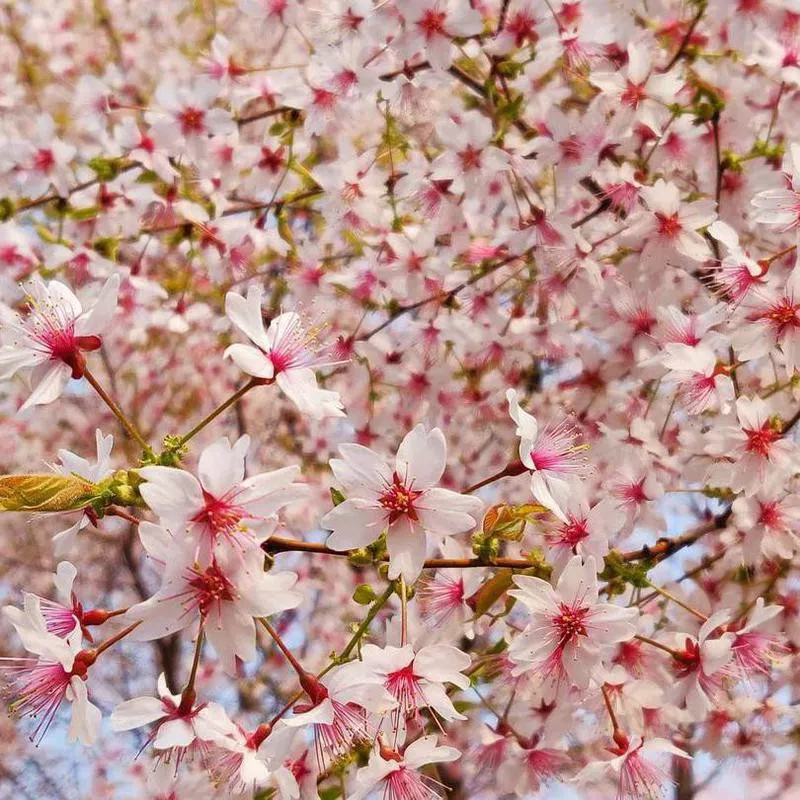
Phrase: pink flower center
(323, 99)
(470, 158)
(784, 315)
(406, 784)
(632, 493)
(60, 342)
(573, 533)
(39, 688)
(570, 623)
(555, 450)
(760, 441)
(403, 685)
(272, 160)
(398, 500)
(668, 226)
(521, 25)
(337, 737)
(571, 148)
(192, 120)
(633, 95)
(44, 160)
(431, 23)
(219, 515)
(209, 587)
(770, 515)
(441, 597)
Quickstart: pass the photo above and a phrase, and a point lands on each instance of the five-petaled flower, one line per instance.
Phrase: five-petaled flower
(403, 501)
(569, 629)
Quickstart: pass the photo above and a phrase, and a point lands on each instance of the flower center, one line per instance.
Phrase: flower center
(761, 440)
(431, 23)
(770, 515)
(402, 684)
(219, 515)
(470, 158)
(398, 500)
(406, 784)
(668, 226)
(573, 533)
(570, 623)
(633, 95)
(784, 315)
(44, 160)
(192, 120)
(210, 587)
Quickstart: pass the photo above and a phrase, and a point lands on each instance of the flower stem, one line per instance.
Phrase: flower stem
(188, 695)
(514, 468)
(376, 606)
(403, 612)
(612, 716)
(116, 638)
(654, 643)
(677, 601)
(129, 427)
(296, 665)
(234, 398)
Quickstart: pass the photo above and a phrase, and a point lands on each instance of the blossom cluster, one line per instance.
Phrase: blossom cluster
(398, 398)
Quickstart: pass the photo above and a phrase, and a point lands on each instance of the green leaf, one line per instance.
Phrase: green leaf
(106, 169)
(84, 214)
(491, 591)
(337, 497)
(45, 493)
(634, 574)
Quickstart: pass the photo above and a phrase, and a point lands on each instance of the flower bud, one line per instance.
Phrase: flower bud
(45, 493)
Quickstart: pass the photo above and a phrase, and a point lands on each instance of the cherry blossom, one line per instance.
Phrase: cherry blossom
(551, 453)
(178, 724)
(752, 453)
(636, 775)
(416, 680)
(275, 274)
(397, 776)
(287, 352)
(569, 628)
(781, 206)
(221, 507)
(59, 671)
(48, 343)
(701, 667)
(226, 595)
(430, 26)
(337, 708)
(672, 224)
(403, 501)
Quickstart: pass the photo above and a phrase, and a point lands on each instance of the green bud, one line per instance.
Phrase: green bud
(6, 209)
(106, 169)
(364, 594)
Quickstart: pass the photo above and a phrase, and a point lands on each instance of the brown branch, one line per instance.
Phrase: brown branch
(685, 42)
(49, 198)
(442, 297)
(464, 78)
(272, 112)
(664, 548)
(661, 550)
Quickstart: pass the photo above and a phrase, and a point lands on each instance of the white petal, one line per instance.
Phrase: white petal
(137, 712)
